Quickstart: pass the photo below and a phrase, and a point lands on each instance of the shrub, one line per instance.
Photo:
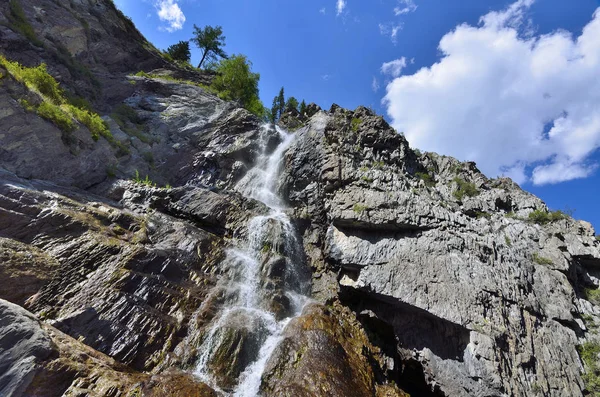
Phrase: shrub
(542, 217)
(92, 121)
(428, 179)
(589, 355)
(592, 295)
(464, 188)
(57, 116)
(356, 122)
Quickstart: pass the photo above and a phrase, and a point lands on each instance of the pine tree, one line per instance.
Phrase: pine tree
(280, 102)
(292, 103)
(210, 40)
(302, 108)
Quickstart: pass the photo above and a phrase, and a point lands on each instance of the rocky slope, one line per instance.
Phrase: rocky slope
(426, 277)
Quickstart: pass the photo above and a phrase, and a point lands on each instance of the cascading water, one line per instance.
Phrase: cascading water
(249, 302)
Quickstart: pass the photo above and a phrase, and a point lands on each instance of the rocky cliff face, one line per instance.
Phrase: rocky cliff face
(377, 270)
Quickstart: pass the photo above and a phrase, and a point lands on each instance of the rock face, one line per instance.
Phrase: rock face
(426, 277)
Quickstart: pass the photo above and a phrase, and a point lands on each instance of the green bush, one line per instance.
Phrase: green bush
(143, 181)
(57, 116)
(92, 121)
(464, 188)
(356, 122)
(592, 295)
(542, 217)
(428, 179)
(589, 355)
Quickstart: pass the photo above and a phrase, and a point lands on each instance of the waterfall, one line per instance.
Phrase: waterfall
(248, 312)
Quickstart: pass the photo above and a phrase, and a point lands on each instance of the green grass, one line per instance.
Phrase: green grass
(483, 214)
(427, 178)
(589, 355)
(359, 208)
(464, 188)
(540, 260)
(355, 124)
(542, 217)
(507, 241)
(18, 21)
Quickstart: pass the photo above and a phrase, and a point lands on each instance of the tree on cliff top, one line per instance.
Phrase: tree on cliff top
(180, 51)
(210, 40)
(235, 81)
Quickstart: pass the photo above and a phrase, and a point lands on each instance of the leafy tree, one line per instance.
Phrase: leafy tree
(292, 103)
(180, 51)
(302, 109)
(210, 40)
(235, 81)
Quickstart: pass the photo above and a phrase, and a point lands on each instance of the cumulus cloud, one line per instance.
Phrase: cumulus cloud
(394, 68)
(391, 30)
(405, 7)
(168, 11)
(339, 6)
(519, 104)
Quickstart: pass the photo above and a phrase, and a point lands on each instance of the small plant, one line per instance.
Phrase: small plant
(417, 152)
(427, 178)
(359, 208)
(540, 260)
(511, 215)
(378, 164)
(507, 241)
(366, 179)
(464, 188)
(589, 355)
(143, 181)
(355, 123)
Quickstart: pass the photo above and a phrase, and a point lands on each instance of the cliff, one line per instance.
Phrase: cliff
(321, 257)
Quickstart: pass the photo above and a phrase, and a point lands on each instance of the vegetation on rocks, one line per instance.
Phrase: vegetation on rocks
(18, 22)
(543, 217)
(464, 188)
(55, 107)
(589, 352)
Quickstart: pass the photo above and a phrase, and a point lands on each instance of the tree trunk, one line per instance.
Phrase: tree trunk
(202, 60)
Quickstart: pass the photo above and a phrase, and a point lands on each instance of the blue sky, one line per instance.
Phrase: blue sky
(513, 85)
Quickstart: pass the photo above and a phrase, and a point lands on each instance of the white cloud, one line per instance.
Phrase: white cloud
(405, 7)
(323, 11)
(339, 7)
(518, 104)
(394, 68)
(325, 77)
(375, 84)
(391, 30)
(169, 11)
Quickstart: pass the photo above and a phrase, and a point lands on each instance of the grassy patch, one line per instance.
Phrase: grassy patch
(589, 355)
(355, 124)
(542, 217)
(56, 116)
(427, 178)
(464, 188)
(55, 106)
(18, 21)
(540, 260)
(507, 241)
(592, 295)
(359, 208)
(483, 214)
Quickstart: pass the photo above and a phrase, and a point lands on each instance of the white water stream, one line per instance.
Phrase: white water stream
(249, 303)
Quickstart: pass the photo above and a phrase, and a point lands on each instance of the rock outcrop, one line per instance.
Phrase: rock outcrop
(426, 277)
